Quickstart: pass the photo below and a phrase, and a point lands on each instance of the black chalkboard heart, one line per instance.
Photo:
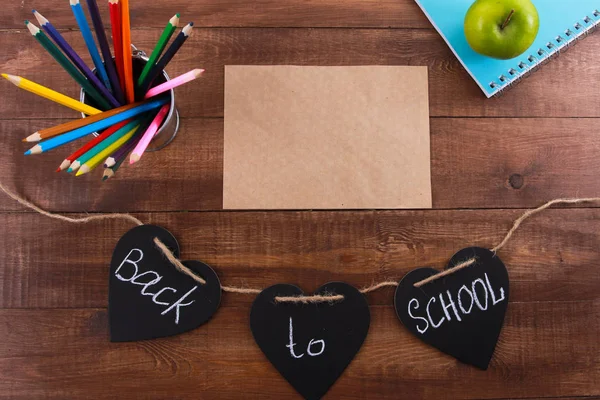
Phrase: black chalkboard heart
(148, 298)
(462, 313)
(310, 344)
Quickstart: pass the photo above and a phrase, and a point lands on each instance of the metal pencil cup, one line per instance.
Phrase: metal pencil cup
(168, 130)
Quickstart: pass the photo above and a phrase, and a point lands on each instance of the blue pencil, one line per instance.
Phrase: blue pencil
(95, 126)
(74, 57)
(89, 41)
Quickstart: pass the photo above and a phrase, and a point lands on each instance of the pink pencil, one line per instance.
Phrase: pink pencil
(136, 154)
(173, 83)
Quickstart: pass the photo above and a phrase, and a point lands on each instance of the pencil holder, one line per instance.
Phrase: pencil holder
(168, 130)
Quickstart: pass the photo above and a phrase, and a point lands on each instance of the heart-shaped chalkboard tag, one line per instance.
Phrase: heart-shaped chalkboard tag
(148, 298)
(310, 344)
(462, 313)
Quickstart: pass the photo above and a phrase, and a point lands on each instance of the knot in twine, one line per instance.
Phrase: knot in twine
(302, 299)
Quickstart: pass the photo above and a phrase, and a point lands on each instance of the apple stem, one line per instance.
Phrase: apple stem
(507, 20)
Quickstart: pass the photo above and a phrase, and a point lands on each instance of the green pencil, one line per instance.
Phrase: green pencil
(67, 65)
(160, 46)
(91, 153)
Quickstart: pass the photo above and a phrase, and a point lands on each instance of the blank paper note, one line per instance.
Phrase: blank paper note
(326, 137)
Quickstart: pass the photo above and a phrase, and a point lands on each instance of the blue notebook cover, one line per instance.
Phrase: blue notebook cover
(561, 23)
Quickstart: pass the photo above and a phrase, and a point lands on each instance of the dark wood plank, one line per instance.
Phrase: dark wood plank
(237, 13)
(554, 91)
(545, 349)
(552, 257)
(491, 163)
(477, 163)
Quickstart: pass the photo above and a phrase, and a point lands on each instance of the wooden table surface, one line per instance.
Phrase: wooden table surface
(491, 159)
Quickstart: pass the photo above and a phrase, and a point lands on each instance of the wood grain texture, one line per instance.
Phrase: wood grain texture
(236, 13)
(66, 354)
(490, 159)
(452, 91)
(496, 163)
(552, 258)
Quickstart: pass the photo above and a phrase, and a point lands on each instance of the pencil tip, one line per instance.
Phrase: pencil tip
(133, 158)
(74, 166)
(177, 15)
(64, 165)
(187, 30)
(83, 170)
(40, 18)
(34, 137)
(37, 149)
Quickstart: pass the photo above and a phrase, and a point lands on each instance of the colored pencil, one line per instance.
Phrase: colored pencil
(164, 60)
(86, 147)
(97, 159)
(122, 151)
(109, 64)
(173, 83)
(160, 46)
(74, 57)
(94, 127)
(110, 172)
(78, 123)
(115, 24)
(89, 41)
(88, 155)
(50, 94)
(140, 148)
(66, 64)
(127, 64)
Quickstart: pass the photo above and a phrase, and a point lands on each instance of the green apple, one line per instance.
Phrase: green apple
(501, 29)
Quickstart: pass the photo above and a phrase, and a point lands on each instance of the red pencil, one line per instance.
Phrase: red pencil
(89, 145)
(115, 21)
(127, 64)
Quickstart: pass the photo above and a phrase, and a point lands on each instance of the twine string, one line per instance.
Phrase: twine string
(302, 299)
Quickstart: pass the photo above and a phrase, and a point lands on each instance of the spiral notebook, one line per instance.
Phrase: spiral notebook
(561, 24)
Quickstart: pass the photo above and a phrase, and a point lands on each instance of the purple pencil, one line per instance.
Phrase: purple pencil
(121, 153)
(74, 57)
(129, 145)
(103, 42)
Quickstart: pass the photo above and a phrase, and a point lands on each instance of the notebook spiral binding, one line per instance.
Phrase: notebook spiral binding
(553, 49)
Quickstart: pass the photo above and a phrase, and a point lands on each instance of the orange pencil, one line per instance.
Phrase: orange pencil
(126, 35)
(115, 23)
(77, 123)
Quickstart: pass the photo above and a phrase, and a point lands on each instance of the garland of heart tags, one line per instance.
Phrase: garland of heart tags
(310, 339)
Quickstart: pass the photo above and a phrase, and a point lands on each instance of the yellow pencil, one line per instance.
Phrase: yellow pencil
(51, 94)
(100, 157)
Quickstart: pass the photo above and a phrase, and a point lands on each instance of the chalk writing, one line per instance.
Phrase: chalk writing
(128, 271)
(480, 294)
(310, 344)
